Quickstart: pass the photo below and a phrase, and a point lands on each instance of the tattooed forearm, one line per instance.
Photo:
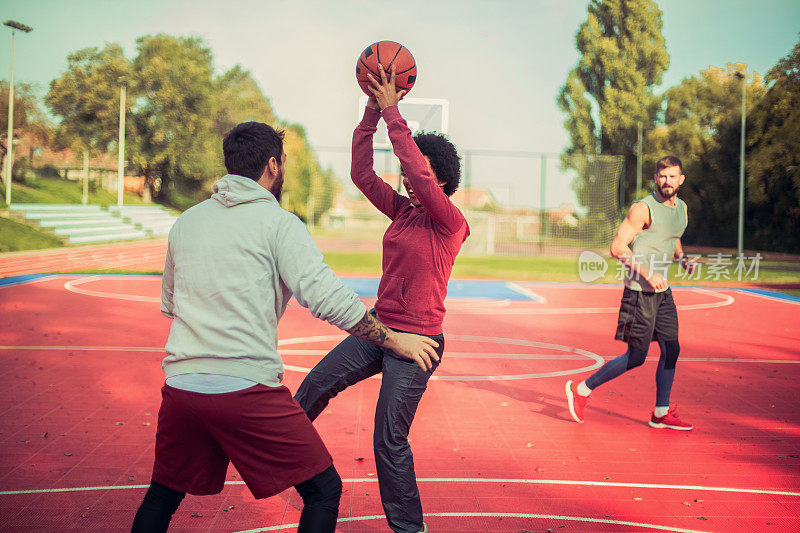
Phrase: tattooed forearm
(371, 329)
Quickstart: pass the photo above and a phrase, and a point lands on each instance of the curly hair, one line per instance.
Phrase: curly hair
(444, 159)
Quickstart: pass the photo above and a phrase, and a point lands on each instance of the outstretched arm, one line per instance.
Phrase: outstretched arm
(638, 218)
(377, 191)
(315, 287)
(407, 345)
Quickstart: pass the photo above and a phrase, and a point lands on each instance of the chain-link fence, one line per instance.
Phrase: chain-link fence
(516, 203)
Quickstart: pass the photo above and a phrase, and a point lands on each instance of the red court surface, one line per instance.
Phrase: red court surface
(495, 448)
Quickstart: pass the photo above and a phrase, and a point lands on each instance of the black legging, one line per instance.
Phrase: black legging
(320, 494)
(159, 504)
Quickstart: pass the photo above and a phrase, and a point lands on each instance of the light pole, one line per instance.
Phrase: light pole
(10, 154)
(740, 237)
(638, 157)
(121, 146)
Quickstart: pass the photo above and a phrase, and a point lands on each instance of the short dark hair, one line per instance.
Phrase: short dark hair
(248, 148)
(669, 161)
(444, 159)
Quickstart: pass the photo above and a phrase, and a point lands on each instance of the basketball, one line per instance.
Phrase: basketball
(387, 53)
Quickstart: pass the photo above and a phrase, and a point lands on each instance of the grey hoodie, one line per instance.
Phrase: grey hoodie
(233, 262)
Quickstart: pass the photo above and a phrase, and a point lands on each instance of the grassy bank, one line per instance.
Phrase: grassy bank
(57, 191)
(15, 237)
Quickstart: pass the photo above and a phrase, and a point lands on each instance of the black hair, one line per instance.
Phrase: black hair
(444, 159)
(668, 161)
(248, 148)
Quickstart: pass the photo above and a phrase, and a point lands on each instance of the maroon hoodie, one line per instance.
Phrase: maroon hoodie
(421, 243)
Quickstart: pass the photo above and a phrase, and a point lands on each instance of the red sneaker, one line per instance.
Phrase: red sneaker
(577, 403)
(669, 421)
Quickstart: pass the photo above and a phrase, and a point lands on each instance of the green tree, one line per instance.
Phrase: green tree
(86, 98)
(172, 144)
(308, 190)
(702, 126)
(610, 90)
(773, 161)
(239, 99)
(29, 118)
(28, 114)
(178, 112)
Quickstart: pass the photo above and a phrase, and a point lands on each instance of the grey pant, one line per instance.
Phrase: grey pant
(402, 386)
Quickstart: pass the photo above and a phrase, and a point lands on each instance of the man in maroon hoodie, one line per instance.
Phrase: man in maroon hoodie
(419, 249)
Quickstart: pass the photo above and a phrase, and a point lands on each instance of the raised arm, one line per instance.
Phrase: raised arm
(431, 196)
(638, 218)
(377, 191)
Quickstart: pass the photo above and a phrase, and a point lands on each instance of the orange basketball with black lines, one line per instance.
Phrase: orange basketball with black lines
(387, 53)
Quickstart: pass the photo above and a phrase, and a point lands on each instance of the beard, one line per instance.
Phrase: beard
(277, 188)
(667, 195)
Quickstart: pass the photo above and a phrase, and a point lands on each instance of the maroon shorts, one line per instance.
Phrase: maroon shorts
(262, 430)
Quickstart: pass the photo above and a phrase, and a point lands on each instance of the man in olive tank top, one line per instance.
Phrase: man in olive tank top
(647, 242)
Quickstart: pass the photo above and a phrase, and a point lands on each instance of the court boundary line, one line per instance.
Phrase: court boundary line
(527, 292)
(520, 481)
(513, 285)
(598, 360)
(726, 300)
(773, 295)
(491, 355)
(72, 287)
(495, 515)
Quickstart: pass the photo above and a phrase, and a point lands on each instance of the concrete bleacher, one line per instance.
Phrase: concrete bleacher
(93, 223)
(154, 219)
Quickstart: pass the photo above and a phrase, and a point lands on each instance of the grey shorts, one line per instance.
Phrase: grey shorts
(645, 317)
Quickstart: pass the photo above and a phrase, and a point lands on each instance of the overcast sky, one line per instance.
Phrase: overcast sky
(500, 63)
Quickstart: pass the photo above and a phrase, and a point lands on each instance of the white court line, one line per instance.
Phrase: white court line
(597, 360)
(472, 303)
(527, 292)
(462, 355)
(725, 300)
(454, 305)
(521, 481)
(496, 515)
(72, 287)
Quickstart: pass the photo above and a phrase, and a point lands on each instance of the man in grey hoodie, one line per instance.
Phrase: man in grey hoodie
(233, 262)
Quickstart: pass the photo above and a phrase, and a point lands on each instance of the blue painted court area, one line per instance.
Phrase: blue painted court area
(14, 280)
(774, 294)
(492, 290)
